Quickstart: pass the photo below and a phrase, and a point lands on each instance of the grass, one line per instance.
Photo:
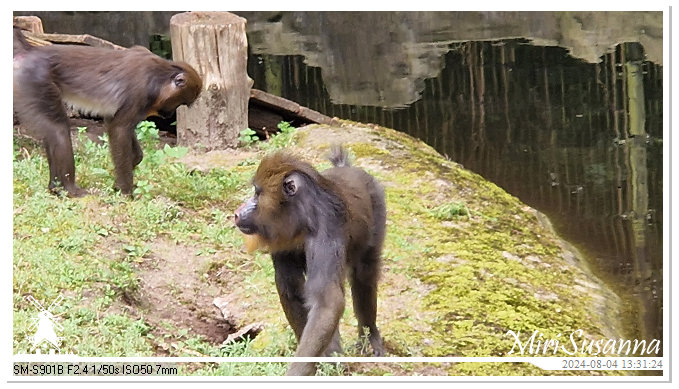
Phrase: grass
(463, 261)
(89, 249)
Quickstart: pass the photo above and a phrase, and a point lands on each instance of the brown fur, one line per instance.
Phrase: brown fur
(122, 86)
(320, 228)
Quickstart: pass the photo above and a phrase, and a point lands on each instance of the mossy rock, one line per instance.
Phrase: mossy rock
(455, 283)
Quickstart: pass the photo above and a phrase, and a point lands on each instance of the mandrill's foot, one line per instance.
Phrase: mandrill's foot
(125, 189)
(377, 345)
(302, 368)
(72, 191)
(375, 340)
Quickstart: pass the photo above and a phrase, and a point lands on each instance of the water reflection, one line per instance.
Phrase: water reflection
(383, 58)
(568, 117)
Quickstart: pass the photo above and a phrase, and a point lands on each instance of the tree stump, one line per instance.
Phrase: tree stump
(215, 44)
(29, 23)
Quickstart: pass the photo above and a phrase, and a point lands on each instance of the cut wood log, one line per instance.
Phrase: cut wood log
(29, 23)
(215, 44)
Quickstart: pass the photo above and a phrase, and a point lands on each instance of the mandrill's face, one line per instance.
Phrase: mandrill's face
(273, 216)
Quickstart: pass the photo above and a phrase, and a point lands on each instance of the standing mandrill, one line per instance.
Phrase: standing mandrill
(320, 229)
(123, 86)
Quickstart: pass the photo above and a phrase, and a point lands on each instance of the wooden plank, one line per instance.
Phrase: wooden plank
(36, 41)
(83, 39)
(37, 37)
(278, 103)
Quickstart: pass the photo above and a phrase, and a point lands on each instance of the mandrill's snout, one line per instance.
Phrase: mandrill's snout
(244, 220)
(243, 217)
(236, 216)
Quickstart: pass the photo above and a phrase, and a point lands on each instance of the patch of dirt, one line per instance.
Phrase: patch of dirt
(217, 159)
(176, 287)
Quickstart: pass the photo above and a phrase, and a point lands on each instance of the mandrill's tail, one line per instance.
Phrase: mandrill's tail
(339, 156)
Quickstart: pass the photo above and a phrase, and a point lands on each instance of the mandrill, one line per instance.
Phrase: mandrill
(321, 229)
(122, 86)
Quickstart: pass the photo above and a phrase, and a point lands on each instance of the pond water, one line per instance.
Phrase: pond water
(563, 110)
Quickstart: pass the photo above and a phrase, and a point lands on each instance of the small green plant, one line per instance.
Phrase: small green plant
(143, 189)
(248, 137)
(147, 133)
(175, 152)
(104, 140)
(102, 230)
(285, 127)
(450, 211)
(148, 136)
(282, 139)
(135, 251)
(206, 251)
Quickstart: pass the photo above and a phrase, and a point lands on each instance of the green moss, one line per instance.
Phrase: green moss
(493, 270)
(450, 211)
(362, 150)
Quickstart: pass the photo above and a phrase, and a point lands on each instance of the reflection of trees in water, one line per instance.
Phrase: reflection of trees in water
(582, 142)
(383, 58)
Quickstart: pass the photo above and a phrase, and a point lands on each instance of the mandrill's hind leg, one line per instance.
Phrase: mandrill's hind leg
(363, 280)
(39, 108)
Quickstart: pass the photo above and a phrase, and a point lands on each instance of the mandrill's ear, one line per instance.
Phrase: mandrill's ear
(292, 183)
(180, 80)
